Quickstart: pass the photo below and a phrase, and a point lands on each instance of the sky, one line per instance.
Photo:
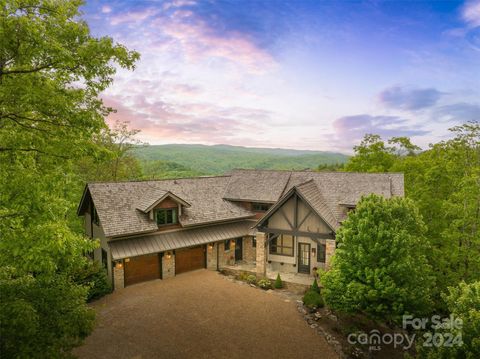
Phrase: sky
(315, 75)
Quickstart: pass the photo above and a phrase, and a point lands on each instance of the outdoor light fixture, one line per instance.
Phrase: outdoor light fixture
(119, 265)
(210, 245)
(168, 255)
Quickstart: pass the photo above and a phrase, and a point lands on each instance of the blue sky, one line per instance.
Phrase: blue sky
(293, 74)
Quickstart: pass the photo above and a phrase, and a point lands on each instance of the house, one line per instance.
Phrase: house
(281, 221)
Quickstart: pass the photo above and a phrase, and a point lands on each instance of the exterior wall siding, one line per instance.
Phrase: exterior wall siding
(278, 220)
(310, 223)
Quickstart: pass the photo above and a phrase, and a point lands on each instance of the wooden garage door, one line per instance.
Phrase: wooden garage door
(141, 269)
(189, 259)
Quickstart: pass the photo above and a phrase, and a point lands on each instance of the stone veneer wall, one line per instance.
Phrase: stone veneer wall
(260, 255)
(212, 256)
(168, 266)
(329, 251)
(226, 256)
(118, 277)
(249, 252)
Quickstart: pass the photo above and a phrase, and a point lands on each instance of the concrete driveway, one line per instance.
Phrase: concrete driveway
(200, 315)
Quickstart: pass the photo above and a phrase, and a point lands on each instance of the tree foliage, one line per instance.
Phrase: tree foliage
(116, 161)
(444, 183)
(51, 73)
(463, 302)
(380, 267)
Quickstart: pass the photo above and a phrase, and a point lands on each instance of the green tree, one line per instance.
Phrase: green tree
(444, 182)
(380, 267)
(116, 161)
(463, 302)
(51, 72)
(374, 155)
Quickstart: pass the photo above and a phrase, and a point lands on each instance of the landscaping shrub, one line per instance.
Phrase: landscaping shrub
(264, 283)
(251, 279)
(315, 286)
(278, 282)
(312, 299)
(94, 276)
(243, 276)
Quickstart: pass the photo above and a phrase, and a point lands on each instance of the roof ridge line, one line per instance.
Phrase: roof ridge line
(160, 179)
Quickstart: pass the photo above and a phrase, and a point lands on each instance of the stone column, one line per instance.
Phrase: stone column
(212, 256)
(168, 265)
(118, 276)
(261, 260)
(329, 252)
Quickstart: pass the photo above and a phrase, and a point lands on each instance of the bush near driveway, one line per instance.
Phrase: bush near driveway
(312, 299)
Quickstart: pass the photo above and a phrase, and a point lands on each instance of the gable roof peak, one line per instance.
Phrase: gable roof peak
(153, 196)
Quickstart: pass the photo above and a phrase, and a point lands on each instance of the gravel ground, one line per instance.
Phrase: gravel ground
(200, 314)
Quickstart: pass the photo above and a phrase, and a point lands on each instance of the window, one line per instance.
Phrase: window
(282, 245)
(260, 207)
(166, 216)
(321, 248)
(95, 218)
(227, 245)
(104, 258)
(254, 242)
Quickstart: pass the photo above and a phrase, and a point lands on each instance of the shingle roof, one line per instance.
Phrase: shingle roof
(312, 195)
(256, 185)
(153, 196)
(116, 203)
(149, 198)
(332, 190)
(214, 199)
(160, 242)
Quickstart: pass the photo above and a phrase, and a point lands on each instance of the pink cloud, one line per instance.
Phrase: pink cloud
(471, 13)
(163, 123)
(197, 41)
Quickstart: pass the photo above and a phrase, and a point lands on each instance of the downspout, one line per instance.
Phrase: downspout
(218, 268)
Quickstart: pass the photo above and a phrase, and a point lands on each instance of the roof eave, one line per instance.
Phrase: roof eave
(82, 200)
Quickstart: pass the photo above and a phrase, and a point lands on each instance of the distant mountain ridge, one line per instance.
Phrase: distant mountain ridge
(218, 159)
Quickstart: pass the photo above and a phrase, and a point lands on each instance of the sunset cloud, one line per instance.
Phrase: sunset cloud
(409, 99)
(289, 74)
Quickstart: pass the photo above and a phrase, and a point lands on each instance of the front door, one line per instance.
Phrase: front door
(238, 249)
(304, 258)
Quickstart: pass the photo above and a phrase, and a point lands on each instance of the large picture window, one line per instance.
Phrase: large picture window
(166, 216)
(321, 248)
(281, 245)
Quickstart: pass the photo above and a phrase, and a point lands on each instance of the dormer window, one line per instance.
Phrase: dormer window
(166, 216)
(260, 207)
